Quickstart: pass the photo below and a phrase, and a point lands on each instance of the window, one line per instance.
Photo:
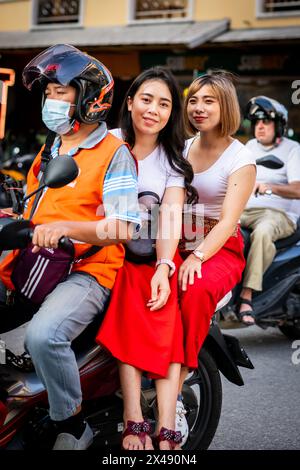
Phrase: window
(56, 12)
(278, 7)
(143, 10)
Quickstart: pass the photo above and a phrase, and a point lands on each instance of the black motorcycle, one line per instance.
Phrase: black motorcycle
(278, 305)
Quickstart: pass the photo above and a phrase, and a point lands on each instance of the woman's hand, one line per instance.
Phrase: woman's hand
(187, 271)
(160, 288)
(48, 235)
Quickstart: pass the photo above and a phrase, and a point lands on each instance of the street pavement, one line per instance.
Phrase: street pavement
(265, 412)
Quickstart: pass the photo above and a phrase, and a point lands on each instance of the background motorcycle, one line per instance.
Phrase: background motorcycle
(17, 153)
(24, 418)
(278, 304)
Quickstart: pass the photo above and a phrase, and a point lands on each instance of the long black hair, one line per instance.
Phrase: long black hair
(172, 136)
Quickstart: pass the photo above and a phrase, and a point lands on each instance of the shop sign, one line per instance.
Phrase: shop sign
(7, 78)
(260, 62)
(242, 64)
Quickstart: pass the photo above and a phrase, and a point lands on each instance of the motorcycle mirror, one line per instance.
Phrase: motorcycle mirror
(270, 161)
(60, 171)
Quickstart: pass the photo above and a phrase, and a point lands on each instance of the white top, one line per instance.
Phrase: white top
(154, 172)
(289, 152)
(212, 183)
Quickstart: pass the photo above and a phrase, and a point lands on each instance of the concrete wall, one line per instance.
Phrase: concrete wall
(113, 12)
(16, 15)
(241, 12)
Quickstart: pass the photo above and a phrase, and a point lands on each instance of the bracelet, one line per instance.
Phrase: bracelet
(169, 262)
(199, 255)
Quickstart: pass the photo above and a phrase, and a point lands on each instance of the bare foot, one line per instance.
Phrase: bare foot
(133, 442)
(165, 445)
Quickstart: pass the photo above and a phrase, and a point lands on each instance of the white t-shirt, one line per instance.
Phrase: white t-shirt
(212, 183)
(289, 152)
(154, 172)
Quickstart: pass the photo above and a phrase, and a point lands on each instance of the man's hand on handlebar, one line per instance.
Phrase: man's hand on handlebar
(48, 235)
(260, 188)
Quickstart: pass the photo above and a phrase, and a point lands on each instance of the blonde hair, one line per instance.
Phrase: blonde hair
(222, 85)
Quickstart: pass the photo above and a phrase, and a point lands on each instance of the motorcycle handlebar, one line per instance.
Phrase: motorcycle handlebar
(17, 234)
(64, 242)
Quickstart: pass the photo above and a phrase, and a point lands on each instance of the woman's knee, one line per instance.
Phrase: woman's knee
(201, 286)
(197, 295)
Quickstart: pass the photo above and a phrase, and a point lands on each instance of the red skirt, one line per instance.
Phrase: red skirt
(198, 303)
(147, 340)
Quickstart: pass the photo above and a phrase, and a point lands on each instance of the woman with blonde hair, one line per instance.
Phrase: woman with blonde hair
(224, 177)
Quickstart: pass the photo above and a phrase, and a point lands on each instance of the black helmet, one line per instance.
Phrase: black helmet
(67, 65)
(262, 107)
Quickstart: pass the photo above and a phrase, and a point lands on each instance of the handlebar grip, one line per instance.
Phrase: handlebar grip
(66, 244)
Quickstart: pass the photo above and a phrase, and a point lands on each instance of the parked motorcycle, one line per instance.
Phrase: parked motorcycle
(18, 154)
(17, 166)
(24, 418)
(278, 304)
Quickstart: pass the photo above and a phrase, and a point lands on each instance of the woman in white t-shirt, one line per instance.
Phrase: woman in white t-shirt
(224, 177)
(142, 327)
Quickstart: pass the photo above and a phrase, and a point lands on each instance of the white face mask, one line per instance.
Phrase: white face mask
(55, 115)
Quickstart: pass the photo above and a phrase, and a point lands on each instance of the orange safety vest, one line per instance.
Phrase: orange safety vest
(80, 200)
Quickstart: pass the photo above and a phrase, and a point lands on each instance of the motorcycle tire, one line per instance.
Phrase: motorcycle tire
(290, 331)
(202, 397)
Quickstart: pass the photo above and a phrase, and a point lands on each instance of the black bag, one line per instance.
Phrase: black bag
(36, 275)
(142, 248)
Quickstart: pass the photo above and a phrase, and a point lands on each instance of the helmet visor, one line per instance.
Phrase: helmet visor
(58, 64)
(261, 106)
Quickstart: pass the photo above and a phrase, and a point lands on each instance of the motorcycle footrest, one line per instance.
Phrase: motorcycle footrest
(237, 352)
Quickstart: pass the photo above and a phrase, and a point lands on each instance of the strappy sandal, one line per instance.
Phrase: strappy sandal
(174, 438)
(247, 313)
(141, 430)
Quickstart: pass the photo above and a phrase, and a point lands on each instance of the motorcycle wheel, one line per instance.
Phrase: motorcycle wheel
(202, 397)
(290, 331)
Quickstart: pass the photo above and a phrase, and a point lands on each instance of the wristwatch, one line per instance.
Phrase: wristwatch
(199, 254)
(169, 262)
(269, 192)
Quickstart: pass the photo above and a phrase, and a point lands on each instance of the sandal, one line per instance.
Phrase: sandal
(141, 430)
(173, 437)
(246, 313)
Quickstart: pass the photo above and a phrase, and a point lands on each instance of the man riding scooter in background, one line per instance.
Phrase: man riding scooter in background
(269, 212)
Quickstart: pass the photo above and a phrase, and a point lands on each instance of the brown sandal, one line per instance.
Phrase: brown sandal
(173, 437)
(141, 430)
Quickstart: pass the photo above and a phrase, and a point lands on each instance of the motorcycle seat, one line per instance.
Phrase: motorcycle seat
(291, 240)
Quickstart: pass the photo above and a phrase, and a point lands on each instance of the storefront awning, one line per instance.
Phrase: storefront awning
(189, 35)
(259, 34)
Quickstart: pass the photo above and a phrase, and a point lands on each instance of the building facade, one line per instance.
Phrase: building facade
(256, 39)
